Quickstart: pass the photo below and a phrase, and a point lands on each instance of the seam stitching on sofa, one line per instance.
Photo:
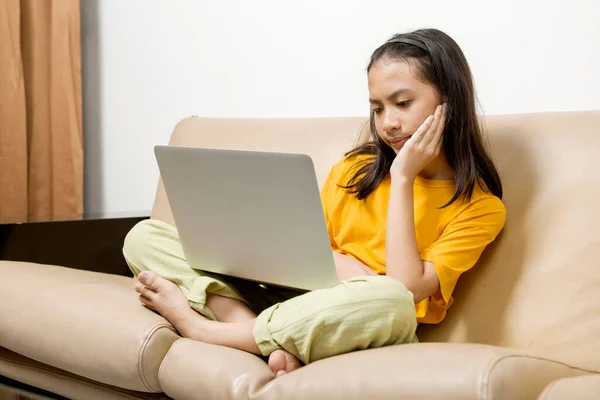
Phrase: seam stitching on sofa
(84, 381)
(484, 384)
(141, 352)
(485, 387)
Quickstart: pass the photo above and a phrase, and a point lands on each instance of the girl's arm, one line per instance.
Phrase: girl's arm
(402, 254)
(403, 261)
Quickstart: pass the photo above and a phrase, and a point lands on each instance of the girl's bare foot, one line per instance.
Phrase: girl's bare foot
(167, 299)
(282, 362)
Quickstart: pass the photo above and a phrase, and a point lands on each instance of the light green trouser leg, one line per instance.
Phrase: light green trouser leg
(364, 312)
(361, 313)
(153, 245)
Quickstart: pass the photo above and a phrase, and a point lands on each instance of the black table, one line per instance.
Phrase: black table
(93, 243)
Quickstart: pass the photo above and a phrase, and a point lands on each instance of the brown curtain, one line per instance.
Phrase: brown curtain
(41, 146)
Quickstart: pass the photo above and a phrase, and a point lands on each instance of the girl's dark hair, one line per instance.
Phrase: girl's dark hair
(440, 62)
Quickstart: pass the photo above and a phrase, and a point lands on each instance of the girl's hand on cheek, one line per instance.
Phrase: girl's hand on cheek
(422, 147)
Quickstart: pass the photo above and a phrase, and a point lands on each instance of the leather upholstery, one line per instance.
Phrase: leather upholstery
(429, 371)
(63, 383)
(537, 287)
(579, 388)
(532, 300)
(86, 323)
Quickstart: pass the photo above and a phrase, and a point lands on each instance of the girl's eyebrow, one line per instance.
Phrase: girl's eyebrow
(391, 96)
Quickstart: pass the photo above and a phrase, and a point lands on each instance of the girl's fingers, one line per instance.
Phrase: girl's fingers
(423, 129)
(437, 139)
(429, 136)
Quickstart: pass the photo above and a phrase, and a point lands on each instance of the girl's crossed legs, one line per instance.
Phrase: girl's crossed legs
(361, 313)
(233, 326)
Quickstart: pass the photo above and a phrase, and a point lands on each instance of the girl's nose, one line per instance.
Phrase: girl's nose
(390, 122)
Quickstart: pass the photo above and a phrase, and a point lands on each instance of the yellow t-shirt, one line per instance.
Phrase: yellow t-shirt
(452, 238)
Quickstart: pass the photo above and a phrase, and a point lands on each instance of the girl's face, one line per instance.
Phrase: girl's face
(399, 100)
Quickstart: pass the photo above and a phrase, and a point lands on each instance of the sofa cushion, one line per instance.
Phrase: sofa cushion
(578, 388)
(86, 323)
(196, 370)
(415, 371)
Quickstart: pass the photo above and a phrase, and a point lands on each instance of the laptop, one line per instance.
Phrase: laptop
(249, 214)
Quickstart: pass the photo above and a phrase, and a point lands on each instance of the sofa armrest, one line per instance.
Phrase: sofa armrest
(579, 388)
(87, 323)
(415, 371)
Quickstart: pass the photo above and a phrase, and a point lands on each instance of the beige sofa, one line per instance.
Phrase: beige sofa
(525, 324)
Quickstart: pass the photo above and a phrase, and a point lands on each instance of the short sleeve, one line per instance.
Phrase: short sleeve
(463, 240)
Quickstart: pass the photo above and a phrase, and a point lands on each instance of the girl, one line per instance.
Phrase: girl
(407, 213)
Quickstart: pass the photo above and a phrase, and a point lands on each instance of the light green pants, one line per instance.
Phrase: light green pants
(361, 313)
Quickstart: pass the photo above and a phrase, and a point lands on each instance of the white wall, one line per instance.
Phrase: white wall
(149, 63)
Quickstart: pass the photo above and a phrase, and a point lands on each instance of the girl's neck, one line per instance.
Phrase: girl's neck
(438, 169)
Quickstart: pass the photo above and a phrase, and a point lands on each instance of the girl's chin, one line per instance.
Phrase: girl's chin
(395, 148)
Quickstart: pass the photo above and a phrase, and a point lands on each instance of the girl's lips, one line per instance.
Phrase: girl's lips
(399, 140)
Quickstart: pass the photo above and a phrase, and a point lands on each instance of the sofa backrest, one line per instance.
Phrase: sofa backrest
(538, 286)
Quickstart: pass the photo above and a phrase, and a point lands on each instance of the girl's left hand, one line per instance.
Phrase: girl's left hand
(422, 147)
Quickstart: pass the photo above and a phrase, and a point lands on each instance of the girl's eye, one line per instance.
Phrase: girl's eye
(377, 110)
(403, 103)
